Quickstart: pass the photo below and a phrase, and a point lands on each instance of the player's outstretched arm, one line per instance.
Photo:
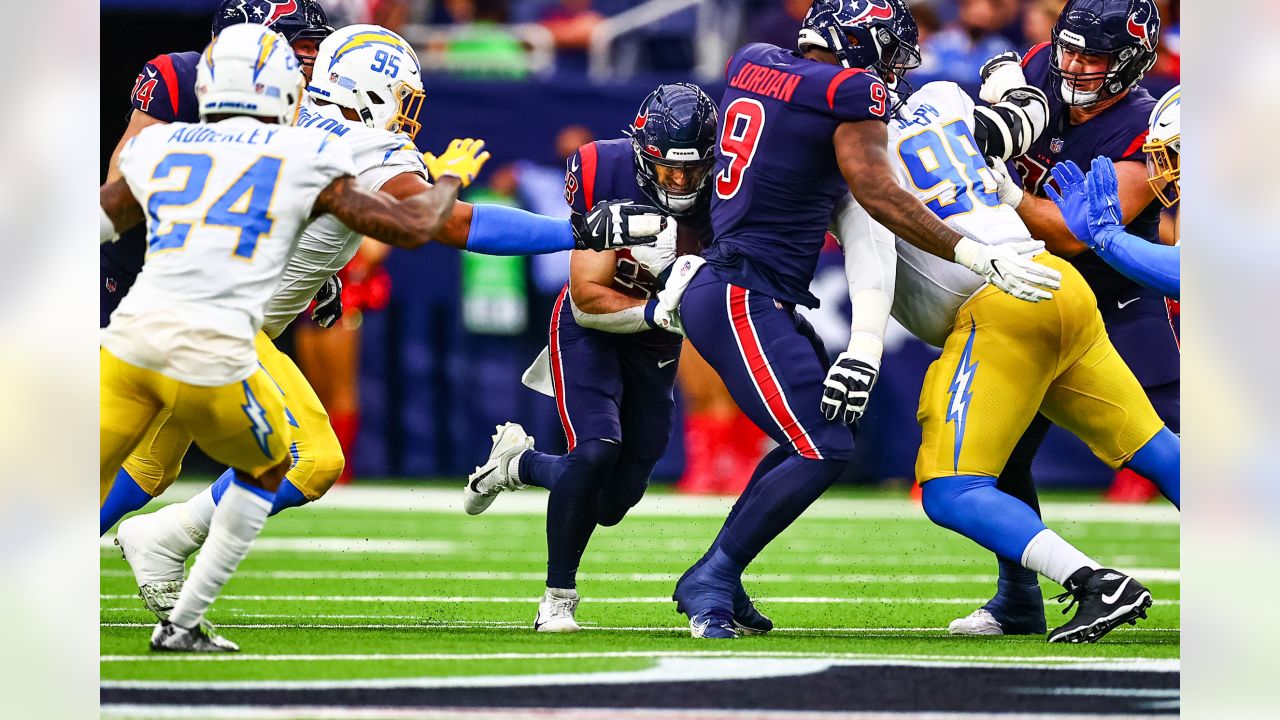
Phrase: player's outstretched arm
(1091, 208)
(137, 121)
(1045, 221)
(407, 223)
(861, 151)
(120, 210)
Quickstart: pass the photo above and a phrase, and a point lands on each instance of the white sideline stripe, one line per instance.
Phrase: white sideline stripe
(1162, 664)
(328, 712)
(337, 545)
(611, 600)
(495, 624)
(1145, 574)
(420, 499)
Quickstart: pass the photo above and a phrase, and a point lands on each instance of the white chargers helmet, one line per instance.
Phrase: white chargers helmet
(1164, 147)
(374, 72)
(249, 69)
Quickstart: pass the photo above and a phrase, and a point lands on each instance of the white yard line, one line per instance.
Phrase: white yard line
(339, 545)
(329, 712)
(610, 600)
(843, 658)
(433, 499)
(504, 625)
(1145, 574)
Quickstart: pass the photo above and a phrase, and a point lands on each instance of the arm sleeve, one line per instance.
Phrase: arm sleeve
(1148, 264)
(870, 264)
(1007, 129)
(631, 320)
(500, 230)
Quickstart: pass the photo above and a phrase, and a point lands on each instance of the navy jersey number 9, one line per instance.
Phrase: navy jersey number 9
(949, 163)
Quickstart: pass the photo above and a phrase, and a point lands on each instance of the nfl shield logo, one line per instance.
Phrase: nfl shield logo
(1055, 145)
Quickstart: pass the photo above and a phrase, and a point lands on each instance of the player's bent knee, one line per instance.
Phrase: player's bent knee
(270, 478)
(595, 457)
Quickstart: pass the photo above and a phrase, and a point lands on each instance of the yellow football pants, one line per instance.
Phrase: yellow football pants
(1006, 360)
(317, 456)
(240, 424)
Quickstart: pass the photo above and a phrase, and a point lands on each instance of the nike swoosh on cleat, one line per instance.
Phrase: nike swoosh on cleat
(1110, 599)
(472, 484)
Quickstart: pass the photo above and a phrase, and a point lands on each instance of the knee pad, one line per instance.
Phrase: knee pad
(150, 475)
(319, 464)
(593, 460)
(623, 491)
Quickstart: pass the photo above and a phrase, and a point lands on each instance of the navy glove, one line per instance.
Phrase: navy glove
(617, 223)
(328, 303)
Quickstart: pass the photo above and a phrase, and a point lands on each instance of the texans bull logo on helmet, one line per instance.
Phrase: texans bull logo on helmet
(871, 10)
(1141, 25)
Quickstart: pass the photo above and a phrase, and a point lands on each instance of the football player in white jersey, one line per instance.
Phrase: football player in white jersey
(367, 101)
(225, 201)
(1003, 360)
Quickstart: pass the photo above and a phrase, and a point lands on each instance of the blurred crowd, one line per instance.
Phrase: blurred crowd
(497, 37)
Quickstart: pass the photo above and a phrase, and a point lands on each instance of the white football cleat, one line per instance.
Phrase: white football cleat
(555, 612)
(978, 622)
(168, 637)
(157, 547)
(491, 478)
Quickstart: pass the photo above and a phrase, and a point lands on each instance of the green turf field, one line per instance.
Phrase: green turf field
(389, 582)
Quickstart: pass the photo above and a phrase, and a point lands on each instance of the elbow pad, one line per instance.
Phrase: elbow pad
(1007, 129)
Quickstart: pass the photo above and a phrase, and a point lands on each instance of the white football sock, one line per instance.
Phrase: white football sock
(236, 523)
(198, 514)
(513, 467)
(1054, 558)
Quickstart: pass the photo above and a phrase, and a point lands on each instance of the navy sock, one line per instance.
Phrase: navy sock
(287, 496)
(1016, 582)
(1160, 461)
(540, 469)
(774, 501)
(767, 463)
(972, 506)
(573, 507)
(124, 498)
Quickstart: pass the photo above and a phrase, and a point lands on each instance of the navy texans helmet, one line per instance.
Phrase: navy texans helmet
(294, 19)
(1125, 31)
(674, 137)
(877, 34)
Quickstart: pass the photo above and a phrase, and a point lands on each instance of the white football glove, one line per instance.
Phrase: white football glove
(616, 223)
(847, 389)
(1007, 188)
(659, 256)
(1010, 267)
(667, 308)
(999, 75)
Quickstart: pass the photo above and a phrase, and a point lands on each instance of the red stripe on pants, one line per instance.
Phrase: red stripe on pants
(557, 371)
(762, 376)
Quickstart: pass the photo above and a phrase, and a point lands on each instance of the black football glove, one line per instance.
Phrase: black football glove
(616, 223)
(847, 388)
(991, 65)
(328, 303)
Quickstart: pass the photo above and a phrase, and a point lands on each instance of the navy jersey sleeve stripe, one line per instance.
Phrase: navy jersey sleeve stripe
(836, 82)
(164, 64)
(1035, 49)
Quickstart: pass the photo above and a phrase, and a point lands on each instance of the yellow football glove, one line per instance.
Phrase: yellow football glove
(463, 160)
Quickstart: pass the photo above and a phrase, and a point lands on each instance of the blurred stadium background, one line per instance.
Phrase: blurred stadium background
(432, 347)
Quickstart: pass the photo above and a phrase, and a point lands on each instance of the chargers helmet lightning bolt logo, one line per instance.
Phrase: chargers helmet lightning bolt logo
(961, 392)
(369, 38)
(258, 423)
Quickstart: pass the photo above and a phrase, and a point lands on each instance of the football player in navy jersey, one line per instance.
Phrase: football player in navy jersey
(776, 186)
(165, 92)
(613, 355)
(1090, 73)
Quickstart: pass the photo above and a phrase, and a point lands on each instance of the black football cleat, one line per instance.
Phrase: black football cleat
(1107, 598)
